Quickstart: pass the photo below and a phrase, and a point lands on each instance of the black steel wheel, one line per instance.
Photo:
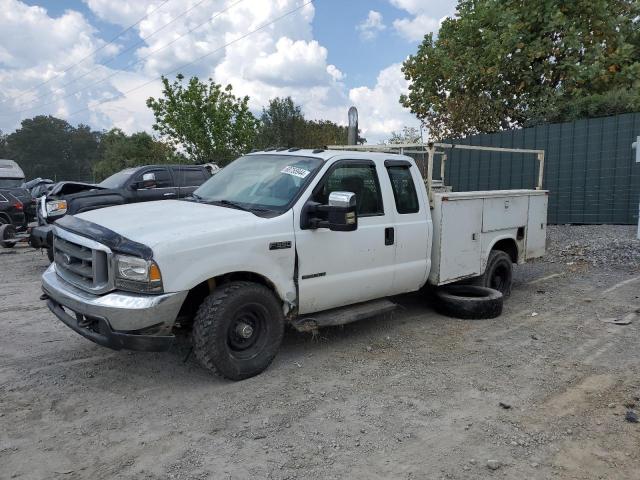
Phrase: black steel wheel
(499, 273)
(238, 330)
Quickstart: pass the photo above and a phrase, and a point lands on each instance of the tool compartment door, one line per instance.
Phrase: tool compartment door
(501, 213)
(461, 224)
(537, 226)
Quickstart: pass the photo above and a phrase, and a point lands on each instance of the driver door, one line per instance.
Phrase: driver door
(162, 189)
(342, 268)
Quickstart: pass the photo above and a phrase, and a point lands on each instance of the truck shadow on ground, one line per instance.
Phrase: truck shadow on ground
(413, 310)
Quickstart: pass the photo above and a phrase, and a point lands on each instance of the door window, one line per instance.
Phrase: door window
(404, 190)
(358, 178)
(163, 179)
(189, 177)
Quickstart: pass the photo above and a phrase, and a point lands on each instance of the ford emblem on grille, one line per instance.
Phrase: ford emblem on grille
(66, 258)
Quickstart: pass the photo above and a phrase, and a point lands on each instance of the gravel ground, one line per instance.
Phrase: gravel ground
(540, 392)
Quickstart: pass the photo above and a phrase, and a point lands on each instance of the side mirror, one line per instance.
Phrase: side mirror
(339, 215)
(343, 216)
(148, 181)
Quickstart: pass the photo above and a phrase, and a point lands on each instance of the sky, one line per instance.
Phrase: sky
(97, 61)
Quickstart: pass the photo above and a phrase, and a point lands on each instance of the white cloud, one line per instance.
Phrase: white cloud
(415, 29)
(426, 17)
(281, 59)
(123, 13)
(379, 108)
(371, 26)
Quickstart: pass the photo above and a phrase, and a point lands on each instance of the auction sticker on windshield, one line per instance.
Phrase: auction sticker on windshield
(295, 171)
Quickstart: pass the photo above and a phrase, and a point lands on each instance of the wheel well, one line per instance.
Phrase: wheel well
(198, 293)
(509, 246)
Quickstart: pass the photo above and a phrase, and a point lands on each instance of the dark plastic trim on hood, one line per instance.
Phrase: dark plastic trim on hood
(111, 239)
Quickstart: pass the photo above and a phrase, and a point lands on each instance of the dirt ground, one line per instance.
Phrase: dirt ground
(413, 395)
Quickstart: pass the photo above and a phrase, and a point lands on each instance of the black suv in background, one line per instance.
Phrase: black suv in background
(12, 210)
(132, 185)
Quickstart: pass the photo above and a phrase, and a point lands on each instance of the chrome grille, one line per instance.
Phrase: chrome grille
(82, 262)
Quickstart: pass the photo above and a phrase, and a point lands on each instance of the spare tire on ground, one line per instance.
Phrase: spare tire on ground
(469, 302)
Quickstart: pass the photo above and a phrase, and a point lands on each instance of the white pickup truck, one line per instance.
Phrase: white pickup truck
(305, 237)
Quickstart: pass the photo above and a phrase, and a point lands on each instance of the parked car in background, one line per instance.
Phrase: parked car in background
(38, 186)
(11, 180)
(12, 210)
(132, 185)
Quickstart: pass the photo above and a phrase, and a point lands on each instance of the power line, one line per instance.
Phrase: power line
(117, 72)
(90, 54)
(120, 54)
(262, 27)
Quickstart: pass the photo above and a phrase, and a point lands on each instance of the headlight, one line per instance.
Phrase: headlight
(137, 274)
(56, 207)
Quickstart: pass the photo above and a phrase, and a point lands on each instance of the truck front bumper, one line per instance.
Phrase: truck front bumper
(41, 236)
(117, 320)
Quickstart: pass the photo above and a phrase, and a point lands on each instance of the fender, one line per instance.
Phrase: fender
(504, 236)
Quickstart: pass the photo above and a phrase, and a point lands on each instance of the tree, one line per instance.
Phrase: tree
(282, 124)
(407, 135)
(204, 120)
(46, 146)
(119, 151)
(4, 149)
(507, 63)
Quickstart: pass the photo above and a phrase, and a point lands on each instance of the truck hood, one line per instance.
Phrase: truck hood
(170, 222)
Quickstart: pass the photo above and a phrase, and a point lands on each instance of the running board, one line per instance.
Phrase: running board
(343, 315)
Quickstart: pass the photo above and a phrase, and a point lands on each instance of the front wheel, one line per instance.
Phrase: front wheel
(238, 330)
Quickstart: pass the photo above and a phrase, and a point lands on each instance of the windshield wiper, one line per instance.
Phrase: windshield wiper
(236, 205)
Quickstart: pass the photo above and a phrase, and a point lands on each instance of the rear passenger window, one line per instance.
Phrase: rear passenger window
(404, 190)
(189, 177)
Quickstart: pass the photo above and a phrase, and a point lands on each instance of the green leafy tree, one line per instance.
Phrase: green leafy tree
(204, 120)
(4, 149)
(282, 124)
(507, 63)
(46, 146)
(407, 135)
(119, 151)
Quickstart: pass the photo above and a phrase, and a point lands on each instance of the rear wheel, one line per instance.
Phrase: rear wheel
(498, 274)
(238, 330)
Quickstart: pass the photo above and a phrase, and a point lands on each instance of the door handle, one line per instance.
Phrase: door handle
(170, 194)
(389, 236)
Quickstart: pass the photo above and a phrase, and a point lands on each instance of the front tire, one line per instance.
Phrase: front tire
(238, 330)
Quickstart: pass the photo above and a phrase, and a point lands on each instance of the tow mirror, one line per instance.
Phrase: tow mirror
(342, 212)
(339, 215)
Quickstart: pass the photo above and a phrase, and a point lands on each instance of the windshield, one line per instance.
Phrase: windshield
(261, 182)
(11, 182)
(117, 180)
